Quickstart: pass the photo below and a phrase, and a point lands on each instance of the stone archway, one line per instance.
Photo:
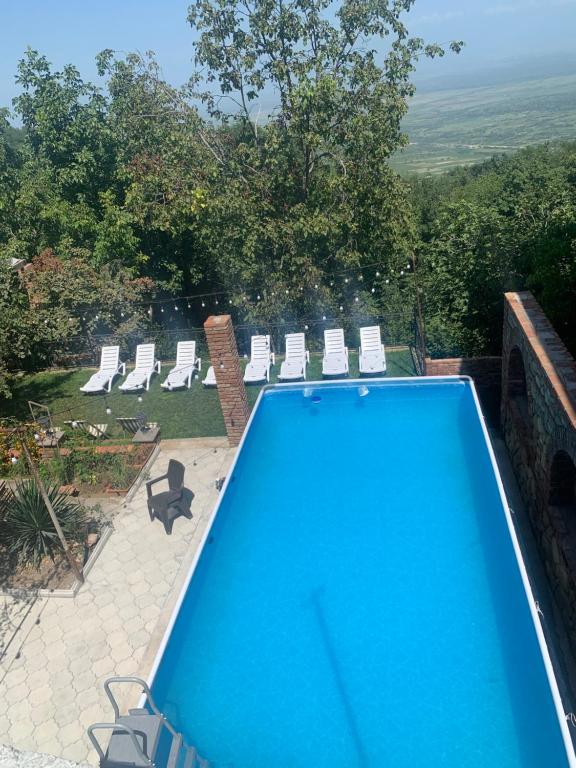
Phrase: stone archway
(517, 392)
(562, 491)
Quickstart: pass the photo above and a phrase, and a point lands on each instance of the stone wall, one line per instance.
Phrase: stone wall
(538, 418)
(486, 371)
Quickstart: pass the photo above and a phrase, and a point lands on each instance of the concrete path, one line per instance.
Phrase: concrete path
(51, 677)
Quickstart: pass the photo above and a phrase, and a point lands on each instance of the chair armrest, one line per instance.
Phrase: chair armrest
(122, 367)
(150, 483)
(346, 351)
(158, 365)
(273, 358)
(383, 350)
(307, 356)
(199, 361)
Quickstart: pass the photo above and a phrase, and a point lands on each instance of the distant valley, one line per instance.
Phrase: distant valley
(465, 125)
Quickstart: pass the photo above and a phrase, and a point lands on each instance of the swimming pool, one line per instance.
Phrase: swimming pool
(358, 600)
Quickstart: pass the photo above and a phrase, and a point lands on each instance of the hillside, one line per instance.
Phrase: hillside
(449, 127)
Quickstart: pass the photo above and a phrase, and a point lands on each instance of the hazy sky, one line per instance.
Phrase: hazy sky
(73, 31)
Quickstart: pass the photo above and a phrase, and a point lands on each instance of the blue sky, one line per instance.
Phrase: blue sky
(73, 31)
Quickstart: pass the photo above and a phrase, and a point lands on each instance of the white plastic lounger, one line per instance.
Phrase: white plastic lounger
(371, 355)
(97, 431)
(335, 360)
(210, 378)
(294, 365)
(146, 366)
(110, 367)
(186, 366)
(258, 369)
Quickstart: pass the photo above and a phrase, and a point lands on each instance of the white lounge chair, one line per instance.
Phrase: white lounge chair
(146, 366)
(335, 360)
(110, 367)
(371, 355)
(186, 366)
(210, 378)
(294, 365)
(261, 358)
(97, 431)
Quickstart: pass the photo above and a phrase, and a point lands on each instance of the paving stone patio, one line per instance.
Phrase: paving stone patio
(52, 673)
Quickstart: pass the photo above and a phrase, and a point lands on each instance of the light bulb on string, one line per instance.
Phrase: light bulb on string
(401, 272)
(345, 279)
(377, 274)
(341, 308)
(161, 309)
(229, 301)
(387, 281)
(96, 318)
(356, 299)
(323, 317)
(287, 291)
(305, 327)
(121, 314)
(316, 286)
(188, 305)
(360, 277)
(258, 297)
(373, 290)
(216, 302)
(203, 304)
(175, 308)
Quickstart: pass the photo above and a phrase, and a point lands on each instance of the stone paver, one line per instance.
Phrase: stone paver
(52, 689)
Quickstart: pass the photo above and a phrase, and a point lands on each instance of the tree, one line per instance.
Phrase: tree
(55, 303)
(309, 193)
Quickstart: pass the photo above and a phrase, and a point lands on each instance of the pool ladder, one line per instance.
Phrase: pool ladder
(143, 738)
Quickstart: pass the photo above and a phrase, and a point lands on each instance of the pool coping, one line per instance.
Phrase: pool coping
(411, 382)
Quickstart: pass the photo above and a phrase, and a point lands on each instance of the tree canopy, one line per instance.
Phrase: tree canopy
(264, 180)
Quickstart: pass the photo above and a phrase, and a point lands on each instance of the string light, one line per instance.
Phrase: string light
(323, 317)
(203, 304)
(377, 274)
(175, 308)
(373, 290)
(356, 299)
(189, 305)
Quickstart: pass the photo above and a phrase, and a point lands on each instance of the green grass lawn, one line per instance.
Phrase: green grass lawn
(193, 412)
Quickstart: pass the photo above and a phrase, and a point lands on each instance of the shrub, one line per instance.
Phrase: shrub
(28, 531)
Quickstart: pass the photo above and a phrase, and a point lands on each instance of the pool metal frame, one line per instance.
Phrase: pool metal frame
(405, 381)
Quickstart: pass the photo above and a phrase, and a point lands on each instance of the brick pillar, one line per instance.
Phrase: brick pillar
(231, 389)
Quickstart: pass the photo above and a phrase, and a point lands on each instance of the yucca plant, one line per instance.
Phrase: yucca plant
(28, 530)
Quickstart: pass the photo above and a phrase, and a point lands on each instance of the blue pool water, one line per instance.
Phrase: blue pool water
(358, 601)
